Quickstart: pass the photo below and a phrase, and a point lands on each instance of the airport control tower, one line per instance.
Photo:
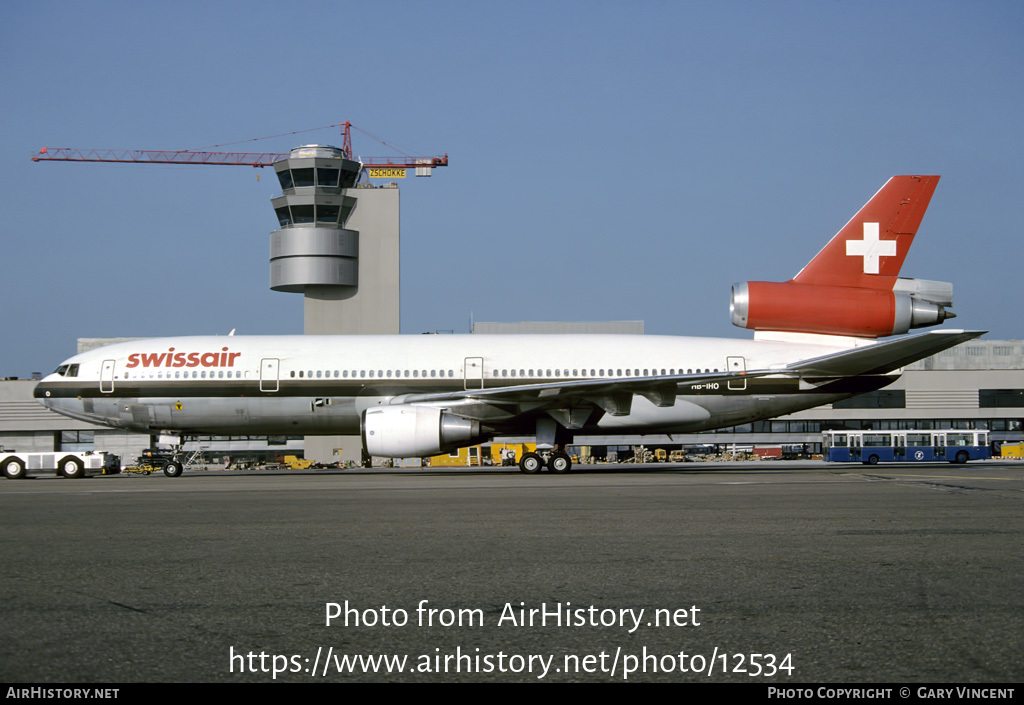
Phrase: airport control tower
(338, 244)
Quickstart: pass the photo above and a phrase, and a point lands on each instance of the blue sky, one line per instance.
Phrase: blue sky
(609, 160)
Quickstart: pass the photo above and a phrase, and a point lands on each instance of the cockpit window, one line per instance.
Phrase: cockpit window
(67, 371)
(61, 370)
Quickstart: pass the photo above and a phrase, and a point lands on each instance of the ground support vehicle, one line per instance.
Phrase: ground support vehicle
(74, 464)
(872, 447)
(150, 461)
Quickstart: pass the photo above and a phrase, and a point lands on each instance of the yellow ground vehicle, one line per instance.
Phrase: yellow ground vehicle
(1012, 450)
(501, 454)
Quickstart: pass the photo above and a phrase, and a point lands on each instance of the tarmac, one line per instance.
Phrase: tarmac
(774, 573)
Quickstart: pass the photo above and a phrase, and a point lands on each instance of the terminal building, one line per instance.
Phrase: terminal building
(976, 385)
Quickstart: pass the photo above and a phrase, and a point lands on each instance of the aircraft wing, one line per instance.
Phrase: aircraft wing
(613, 395)
(881, 358)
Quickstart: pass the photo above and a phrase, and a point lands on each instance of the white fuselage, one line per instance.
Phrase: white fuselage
(322, 384)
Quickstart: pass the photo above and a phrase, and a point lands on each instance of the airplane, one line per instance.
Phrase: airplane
(815, 342)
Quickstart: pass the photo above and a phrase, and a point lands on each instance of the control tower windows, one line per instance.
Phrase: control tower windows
(283, 216)
(327, 177)
(285, 177)
(302, 214)
(303, 177)
(327, 214)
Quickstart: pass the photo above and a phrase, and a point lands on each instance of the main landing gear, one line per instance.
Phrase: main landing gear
(555, 461)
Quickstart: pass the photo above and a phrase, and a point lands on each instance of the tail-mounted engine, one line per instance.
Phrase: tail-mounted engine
(414, 431)
(841, 310)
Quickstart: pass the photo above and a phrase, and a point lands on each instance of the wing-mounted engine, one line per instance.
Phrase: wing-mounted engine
(841, 310)
(415, 431)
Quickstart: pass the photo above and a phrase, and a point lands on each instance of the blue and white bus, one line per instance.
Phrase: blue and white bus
(870, 447)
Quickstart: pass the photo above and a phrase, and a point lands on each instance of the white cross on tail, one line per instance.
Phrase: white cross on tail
(871, 248)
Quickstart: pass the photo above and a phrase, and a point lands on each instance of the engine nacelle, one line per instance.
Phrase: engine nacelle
(415, 431)
(831, 310)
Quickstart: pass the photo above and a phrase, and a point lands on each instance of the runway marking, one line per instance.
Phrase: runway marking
(951, 477)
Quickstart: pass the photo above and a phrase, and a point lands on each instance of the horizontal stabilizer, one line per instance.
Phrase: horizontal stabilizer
(881, 358)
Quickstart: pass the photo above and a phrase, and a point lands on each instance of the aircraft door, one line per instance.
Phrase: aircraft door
(473, 373)
(107, 377)
(269, 374)
(737, 364)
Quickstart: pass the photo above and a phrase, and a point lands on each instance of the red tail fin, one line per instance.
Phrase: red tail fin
(869, 251)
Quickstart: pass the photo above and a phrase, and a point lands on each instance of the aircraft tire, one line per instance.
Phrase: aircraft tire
(173, 469)
(72, 468)
(559, 463)
(530, 463)
(14, 469)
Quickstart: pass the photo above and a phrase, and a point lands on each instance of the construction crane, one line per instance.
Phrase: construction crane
(423, 165)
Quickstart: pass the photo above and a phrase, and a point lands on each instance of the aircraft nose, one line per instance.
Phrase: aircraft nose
(42, 394)
(45, 395)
